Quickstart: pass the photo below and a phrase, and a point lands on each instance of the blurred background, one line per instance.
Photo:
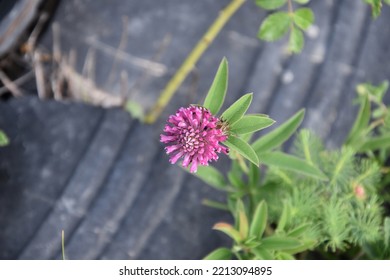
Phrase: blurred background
(78, 162)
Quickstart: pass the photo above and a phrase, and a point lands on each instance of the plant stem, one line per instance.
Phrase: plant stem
(192, 59)
(63, 244)
(290, 7)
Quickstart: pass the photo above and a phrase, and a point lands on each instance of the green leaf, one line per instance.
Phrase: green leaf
(237, 109)
(270, 4)
(279, 243)
(386, 229)
(374, 92)
(219, 254)
(296, 41)
(303, 18)
(4, 141)
(251, 123)
(279, 135)
(305, 245)
(135, 109)
(243, 224)
(215, 204)
(302, 2)
(235, 180)
(254, 176)
(293, 163)
(387, 2)
(284, 217)
(274, 26)
(299, 230)
(376, 6)
(211, 176)
(259, 221)
(242, 148)
(375, 143)
(229, 230)
(216, 95)
(285, 256)
(361, 122)
(262, 254)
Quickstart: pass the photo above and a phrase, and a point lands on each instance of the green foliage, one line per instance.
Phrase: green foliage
(293, 163)
(242, 148)
(251, 123)
(237, 110)
(274, 26)
(217, 92)
(135, 109)
(270, 4)
(296, 40)
(312, 198)
(4, 141)
(376, 6)
(303, 18)
(278, 136)
(219, 254)
(211, 176)
(233, 122)
(302, 2)
(277, 24)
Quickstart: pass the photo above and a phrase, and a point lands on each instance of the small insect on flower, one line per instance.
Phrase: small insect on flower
(194, 134)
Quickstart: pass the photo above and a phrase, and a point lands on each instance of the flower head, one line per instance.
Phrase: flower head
(360, 193)
(194, 134)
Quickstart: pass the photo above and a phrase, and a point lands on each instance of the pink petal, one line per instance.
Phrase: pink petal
(170, 149)
(175, 158)
(194, 166)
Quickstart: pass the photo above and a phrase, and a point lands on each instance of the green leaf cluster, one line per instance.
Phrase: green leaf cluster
(251, 241)
(278, 24)
(313, 198)
(233, 119)
(376, 6)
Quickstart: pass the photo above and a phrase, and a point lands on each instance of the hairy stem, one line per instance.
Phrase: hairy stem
(192, 59)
